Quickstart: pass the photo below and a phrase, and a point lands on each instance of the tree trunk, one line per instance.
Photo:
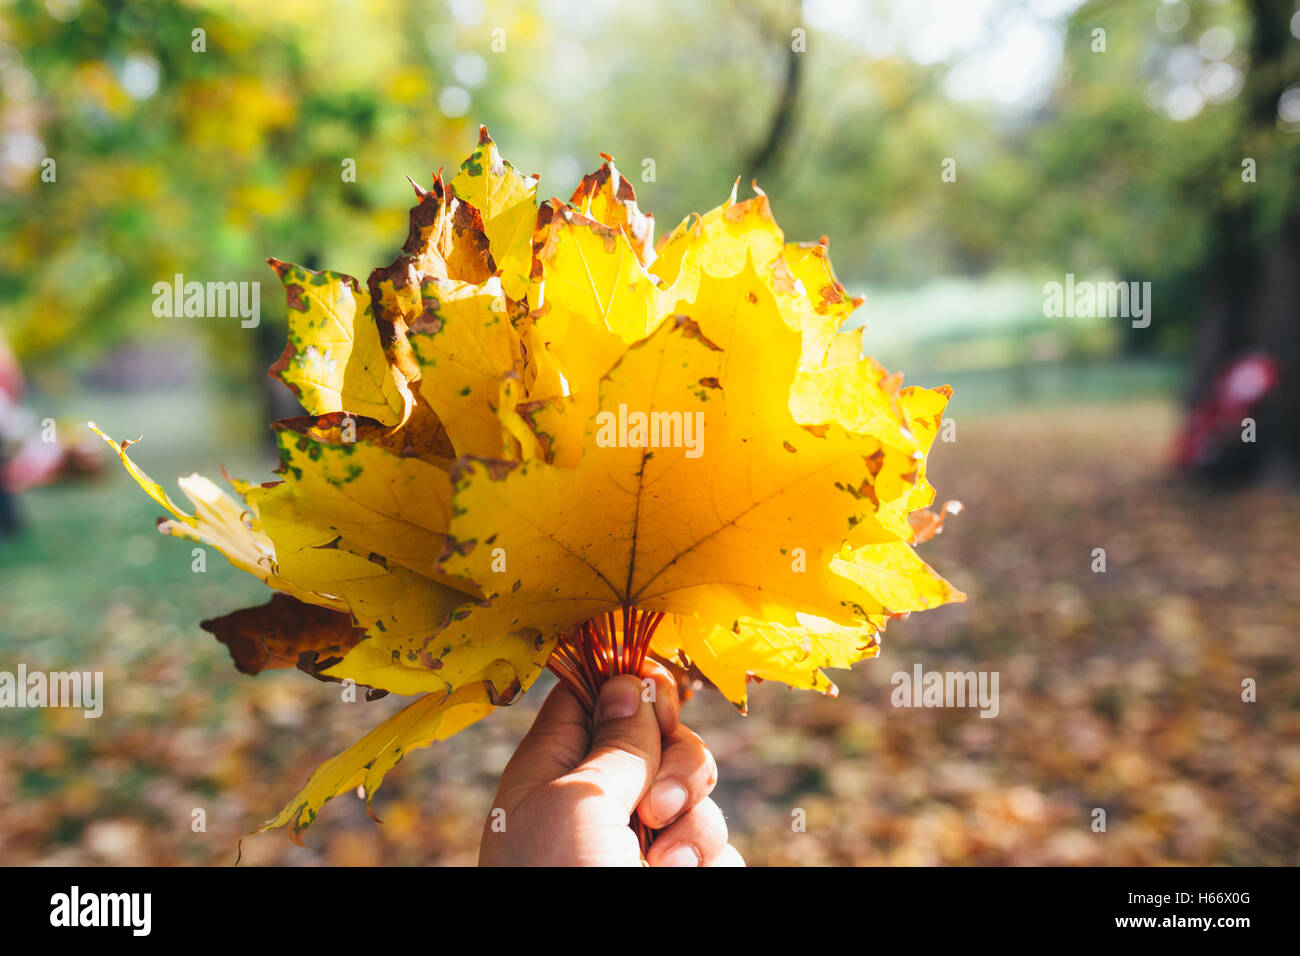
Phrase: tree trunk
(1252, 301)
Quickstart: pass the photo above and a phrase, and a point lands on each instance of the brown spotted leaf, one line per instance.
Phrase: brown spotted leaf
(280, 632)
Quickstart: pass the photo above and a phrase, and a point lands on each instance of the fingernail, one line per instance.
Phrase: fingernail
(684, 854)
(667, 799)
(619, 698)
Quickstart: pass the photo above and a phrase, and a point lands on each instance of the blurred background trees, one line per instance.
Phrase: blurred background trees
(1120, 157)
(1105, 139)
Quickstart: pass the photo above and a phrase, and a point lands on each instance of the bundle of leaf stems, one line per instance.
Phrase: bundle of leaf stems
(601, 648)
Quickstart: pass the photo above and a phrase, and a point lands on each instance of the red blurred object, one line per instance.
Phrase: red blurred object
(12, 385)
(28, 458)
(11, 425)
(40, 463)
(1216, 420)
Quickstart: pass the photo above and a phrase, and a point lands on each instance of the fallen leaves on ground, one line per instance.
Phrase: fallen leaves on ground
(1119, 690)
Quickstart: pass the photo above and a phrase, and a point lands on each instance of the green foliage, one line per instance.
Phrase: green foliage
(170, 160)
(238, 151)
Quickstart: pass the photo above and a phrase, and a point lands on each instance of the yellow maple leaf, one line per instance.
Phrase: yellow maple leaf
(597, 296)
(218, 522)
(531, 438)
(432, 717)
(334, 361)
(507, 202)
(608, 198)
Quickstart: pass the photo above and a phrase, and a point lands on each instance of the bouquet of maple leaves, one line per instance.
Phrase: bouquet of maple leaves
(446, 525)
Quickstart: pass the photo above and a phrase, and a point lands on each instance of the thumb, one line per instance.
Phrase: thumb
(624, 756)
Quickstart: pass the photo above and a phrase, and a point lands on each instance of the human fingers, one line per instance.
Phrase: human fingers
(687, 774)
(729, 856)
(625, 746)
(556, 743)
(697, 838)
(668, 705)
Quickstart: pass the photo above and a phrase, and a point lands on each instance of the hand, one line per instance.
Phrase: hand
(568, 793)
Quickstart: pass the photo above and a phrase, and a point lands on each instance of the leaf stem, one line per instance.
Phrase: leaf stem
(597, 650)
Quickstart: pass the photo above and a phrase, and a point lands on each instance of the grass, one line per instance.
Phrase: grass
(87, 546)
